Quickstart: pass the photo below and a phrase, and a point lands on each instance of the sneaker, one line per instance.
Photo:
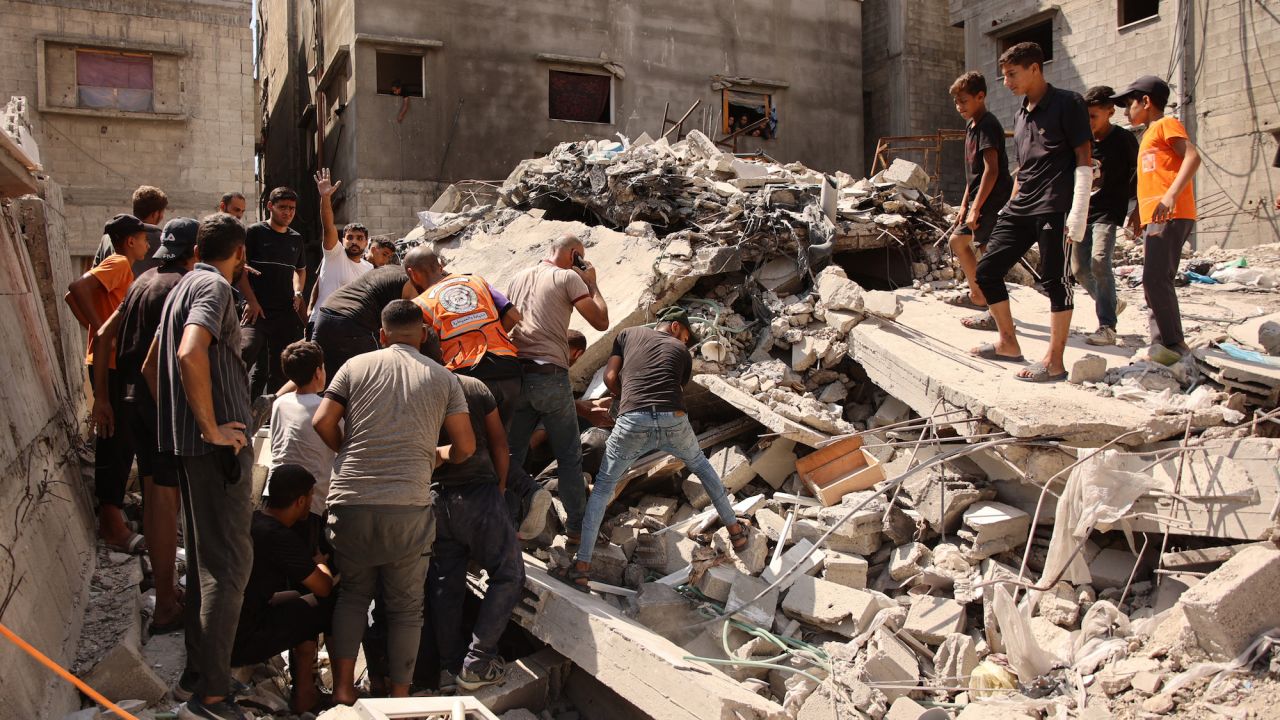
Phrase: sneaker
(1103, 336)
(193, 709)
(186, 686)
(448, 683)
(1164, 355)
(484, 672)
(535, 520)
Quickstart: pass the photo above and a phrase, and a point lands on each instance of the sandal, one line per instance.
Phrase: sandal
(135, 545)
(738, 539)
(1038, 373)
(173, 625)
(573, 577)
(964, 300)
(987, 351)
(981, 321)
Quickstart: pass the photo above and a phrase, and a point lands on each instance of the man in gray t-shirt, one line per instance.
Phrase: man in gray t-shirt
(382, 414)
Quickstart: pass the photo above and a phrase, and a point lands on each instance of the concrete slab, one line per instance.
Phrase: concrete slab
(760, 612)
(801, 553)
(1235, 603)
(530, 684)
(760, 412)
(932, 619)
(826, 603)
(923, 357)
(646, 669)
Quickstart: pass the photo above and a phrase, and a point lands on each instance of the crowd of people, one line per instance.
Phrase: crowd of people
(409, 404)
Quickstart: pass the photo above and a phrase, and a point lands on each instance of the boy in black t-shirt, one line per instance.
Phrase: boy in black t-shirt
(988, 183)
(1115, 183)
(273, 292)
(272, 622)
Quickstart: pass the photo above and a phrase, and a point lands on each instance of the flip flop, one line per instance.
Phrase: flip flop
(987, 351)
(965, 301)
(173, 625)
(136, 545)
(981, 321)
(1040, 374)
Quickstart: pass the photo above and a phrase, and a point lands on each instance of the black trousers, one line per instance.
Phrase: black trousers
(261, 344)
(341, 339)
(1163, 245)
(279, 628)
(1012, 237)
(112, 456)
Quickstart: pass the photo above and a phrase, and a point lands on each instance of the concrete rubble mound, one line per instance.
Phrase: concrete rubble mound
(916, 550)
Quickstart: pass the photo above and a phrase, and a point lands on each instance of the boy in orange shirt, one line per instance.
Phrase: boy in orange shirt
(1167, 162)
(93, 297)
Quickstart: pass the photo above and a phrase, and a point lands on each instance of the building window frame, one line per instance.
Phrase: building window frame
(400, 54)
(1009, 34)
(1121, 23)
(770, 95)
(65, 99)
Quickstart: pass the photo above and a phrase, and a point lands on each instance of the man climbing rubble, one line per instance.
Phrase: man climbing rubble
(647, 371)
(547, 294)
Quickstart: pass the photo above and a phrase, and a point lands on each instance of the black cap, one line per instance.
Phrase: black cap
(123, 225)
(1150, 85)
(677, 314)
(177, 239)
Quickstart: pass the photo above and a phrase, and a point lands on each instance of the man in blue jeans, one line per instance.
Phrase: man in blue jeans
(546, 295)
(647, 372)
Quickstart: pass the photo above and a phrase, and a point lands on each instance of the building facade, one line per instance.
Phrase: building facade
(1221, 58)
(123, 93)
(412, 95)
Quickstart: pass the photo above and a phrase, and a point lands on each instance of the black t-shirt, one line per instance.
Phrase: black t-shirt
(281, 561)
(980, 135)
(363, 299)
(153, 243)
(1044, 140)
(492, 367)
(1115, 176)
(655, 368)
(479, 467)
(140, 313)
(276, 256)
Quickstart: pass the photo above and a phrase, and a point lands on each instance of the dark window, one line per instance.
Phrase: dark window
(402, 71)
(746, 109)
(580, 97)
(1131, 11)
(114, 80)
(1041, 34)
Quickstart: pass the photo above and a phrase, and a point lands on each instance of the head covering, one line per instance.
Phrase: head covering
(177, 239)
(677, 314)
(123, 225)
(1150, 85)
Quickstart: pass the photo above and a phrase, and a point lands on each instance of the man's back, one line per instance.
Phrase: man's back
(363, 299)
(293, 440)
(655, 368)
(479, 467)
(545, 295)
(140, 317)
(395, 402)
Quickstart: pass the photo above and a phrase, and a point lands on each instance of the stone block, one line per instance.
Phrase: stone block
(695, 493)
(733, 467)
(904, 708)
(750, 560)
(931, 619)
(775, 463)
(804, 354)
(989, 521)
(658, 507)
(608, 562)
(759, 612)
(907, 561)
(882, 303)
(780, 276)
(803, 554)
(839, 293)
(847, 570)
(716, 582)
(842, 321)
(956, 659)
(889, 661)
(826, 603)
(1088, 369)
(123, 674)
(1235, 603)
(906, 174)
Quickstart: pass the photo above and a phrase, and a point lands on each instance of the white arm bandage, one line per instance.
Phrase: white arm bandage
(1078, 216)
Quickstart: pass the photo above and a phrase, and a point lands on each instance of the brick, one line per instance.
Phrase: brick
(826, 603)
(1234, 604)
(931, 619)
(847, 570)
(760, 612)
(716, 582)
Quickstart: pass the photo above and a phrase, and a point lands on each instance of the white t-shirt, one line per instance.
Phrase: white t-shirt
(336, 270)
(293, 440)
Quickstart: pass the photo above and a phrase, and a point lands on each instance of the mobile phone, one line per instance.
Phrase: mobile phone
(579, 263)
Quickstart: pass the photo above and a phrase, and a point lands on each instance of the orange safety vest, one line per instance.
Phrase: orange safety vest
(463, 314)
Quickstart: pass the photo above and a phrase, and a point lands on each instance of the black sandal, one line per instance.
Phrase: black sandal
(573, 577)
(738, 539)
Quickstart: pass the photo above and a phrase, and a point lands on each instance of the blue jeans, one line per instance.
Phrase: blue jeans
(549, 397)
(1091, 265)
(636, 433)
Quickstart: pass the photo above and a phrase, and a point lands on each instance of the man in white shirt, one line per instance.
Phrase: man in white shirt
(343, 261)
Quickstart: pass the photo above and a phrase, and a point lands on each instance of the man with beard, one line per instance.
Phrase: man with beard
(343, 261)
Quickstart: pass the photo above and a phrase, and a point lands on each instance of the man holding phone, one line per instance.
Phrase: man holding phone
(547, 294)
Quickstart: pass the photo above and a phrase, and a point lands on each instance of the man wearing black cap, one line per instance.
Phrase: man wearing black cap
(93, 297)
(647, 372)
(130, 413)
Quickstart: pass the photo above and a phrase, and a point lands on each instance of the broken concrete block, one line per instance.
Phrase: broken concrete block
(908, 561)
(1161, 704)
(890, 412)
(847, 570)
(889, 662)
(665, 611)
(123, 674)
(658, 507)
(759, 612)
(842, 321)
(882, 303)
(839, 293)
(1147, 681)
(1235, 603)
(775, 463)
(802, 553)
(1112, 567)
(931, 619)
(751, 559)
(608, 562)
(826, 603)
(733, 467)
(1088, 369)
(995, 711)
(904, 708)
(956, 659)
(665, 553)
(780, 276)
(906, 174)
(716, 582)
(695, 493)
(804, 354)
(1053, 639)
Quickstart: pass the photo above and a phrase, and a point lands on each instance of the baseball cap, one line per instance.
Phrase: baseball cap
(677, 314)
(1150, 85)
(124, 225)
(177, 239)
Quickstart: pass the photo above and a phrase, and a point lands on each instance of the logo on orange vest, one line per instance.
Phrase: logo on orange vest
(459, 299)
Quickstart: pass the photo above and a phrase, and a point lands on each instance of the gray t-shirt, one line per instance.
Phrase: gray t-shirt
(396, 400)
(293, 440)
(545, 295)
(202, 297)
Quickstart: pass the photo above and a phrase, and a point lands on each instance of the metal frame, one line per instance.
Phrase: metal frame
(929, 145)
(463, 707)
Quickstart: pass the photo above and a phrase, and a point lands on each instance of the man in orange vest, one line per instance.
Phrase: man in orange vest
(472, 319)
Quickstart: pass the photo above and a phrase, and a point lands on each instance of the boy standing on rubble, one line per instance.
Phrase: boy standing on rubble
(1115, 163)
(1049, 207)
(988, 186)
(647, 371)
(1167, 162)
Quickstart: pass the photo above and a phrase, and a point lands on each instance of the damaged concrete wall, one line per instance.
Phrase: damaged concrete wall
(46, 530)
(485, 103)
(197, 144)
(1211, 55)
